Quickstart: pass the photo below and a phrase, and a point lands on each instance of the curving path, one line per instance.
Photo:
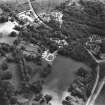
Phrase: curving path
(36, 16)
(94, 87)
(99, 84)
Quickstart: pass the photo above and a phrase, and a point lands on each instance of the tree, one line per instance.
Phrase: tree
(38, 60)
(61, 7)
(10, 59)
(64, 102)
(68, 98)
(6, 91)
(13, 34)
(6, 7)
(18, 28)
(82, 72)
(13, 100)
(45, 71)
(82, 85)
(54, 24)
(6, 75)
(3, 53)
(38, 97)
(4, 66)
(48, 98)
(91, 18)
(102, 46)
(21, 22)
(36, 87)
(5, 47)
(3, 19)
(28, 57)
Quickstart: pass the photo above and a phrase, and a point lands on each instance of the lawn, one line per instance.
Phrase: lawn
(62, 76)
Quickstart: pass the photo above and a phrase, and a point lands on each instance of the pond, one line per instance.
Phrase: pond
(62, 76)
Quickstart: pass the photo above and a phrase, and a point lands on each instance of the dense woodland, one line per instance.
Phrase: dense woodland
(78, 24)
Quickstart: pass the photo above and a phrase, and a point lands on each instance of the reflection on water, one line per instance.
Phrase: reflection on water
(61, 77)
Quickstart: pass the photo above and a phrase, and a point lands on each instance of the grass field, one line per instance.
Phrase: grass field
(62, 76)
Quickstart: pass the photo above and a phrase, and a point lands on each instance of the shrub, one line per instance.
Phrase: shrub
(13, 34)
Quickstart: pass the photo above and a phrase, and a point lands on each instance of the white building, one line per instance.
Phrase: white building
(26, 15)
(49, 57)
(45, 16)
(58, 16)
(61, 43)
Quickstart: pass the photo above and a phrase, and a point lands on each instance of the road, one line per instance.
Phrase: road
(36, 16)
(94, 87)
(99, 84)
(100, 87)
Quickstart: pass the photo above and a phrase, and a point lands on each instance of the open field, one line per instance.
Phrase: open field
(62, 76)
(5, 30)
